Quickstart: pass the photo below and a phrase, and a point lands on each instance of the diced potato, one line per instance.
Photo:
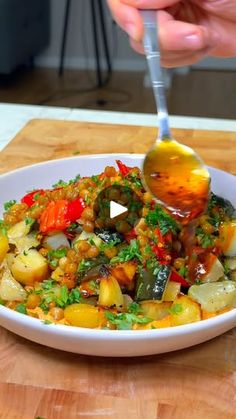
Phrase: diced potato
(227, 238)
(29, 267)
(214, 268)
(124, 272)
(214, 296)
(4, 247)
(110, 293)
(23, 244)
(10, 289)
(154, 309)
(17, 231)
(84, 315)
(184, 310)
(171, 291)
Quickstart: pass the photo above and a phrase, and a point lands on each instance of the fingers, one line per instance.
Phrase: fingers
(128, 18)
(176, 58)
(177, 36)
(181, 43)
(150, 4)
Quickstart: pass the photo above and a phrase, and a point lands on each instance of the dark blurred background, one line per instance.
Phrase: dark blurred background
(71, 53)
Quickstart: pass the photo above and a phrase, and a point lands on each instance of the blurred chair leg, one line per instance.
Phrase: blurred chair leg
(105, 41)
(97, 12)
(96, 46)
(64, 37)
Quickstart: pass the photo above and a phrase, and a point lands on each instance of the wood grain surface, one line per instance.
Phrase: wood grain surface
(51, 139)
(36, 381)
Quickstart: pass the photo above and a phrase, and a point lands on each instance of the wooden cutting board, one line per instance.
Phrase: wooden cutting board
(36, 381)
(51, 139)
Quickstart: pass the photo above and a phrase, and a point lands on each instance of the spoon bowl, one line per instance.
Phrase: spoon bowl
(174, 173)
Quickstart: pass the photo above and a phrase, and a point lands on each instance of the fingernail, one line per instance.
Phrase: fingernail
(132, 30)
(193, 40)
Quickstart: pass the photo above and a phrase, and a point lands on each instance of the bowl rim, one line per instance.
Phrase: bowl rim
(75, 331)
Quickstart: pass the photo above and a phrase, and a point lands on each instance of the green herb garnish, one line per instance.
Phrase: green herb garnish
(128, 253)
(125, 321)
(158, 217)
(21, 308)
(9, 204)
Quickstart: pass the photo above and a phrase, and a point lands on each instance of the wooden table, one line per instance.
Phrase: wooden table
(36, 381)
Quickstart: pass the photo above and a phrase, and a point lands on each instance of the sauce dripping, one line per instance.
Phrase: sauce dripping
(180, 182)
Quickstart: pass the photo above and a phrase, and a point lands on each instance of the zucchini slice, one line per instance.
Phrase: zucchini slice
(150, 285)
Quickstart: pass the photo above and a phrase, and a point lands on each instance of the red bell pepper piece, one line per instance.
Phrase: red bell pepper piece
(75, 209)
(162, 254)
(163, 238)
(29, 199)
(124, 170)
(176, 277)
(58, 215)
(130, 235)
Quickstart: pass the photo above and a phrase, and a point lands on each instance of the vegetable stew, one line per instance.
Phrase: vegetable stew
(63, 260)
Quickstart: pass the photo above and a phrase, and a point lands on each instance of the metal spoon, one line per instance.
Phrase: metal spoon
(172, 172)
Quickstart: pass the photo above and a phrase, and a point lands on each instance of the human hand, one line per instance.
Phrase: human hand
(189, 30)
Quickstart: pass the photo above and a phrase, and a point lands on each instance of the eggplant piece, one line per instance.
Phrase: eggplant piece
(226, 205)
(95, 268)
(150, 285)
(109, 236)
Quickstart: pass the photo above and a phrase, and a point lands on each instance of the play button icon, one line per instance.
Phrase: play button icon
(117, 209)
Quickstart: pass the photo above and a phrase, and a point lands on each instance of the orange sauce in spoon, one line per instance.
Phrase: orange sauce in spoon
(178, 179)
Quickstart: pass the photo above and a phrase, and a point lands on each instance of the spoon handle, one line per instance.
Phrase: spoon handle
(152, 51)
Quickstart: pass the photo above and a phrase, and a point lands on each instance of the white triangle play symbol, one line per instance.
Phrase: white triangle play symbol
(116, 209)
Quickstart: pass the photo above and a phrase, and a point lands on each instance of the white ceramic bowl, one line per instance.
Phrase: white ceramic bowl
(13, 185)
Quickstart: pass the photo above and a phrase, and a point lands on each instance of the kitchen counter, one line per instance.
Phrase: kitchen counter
(13, 117)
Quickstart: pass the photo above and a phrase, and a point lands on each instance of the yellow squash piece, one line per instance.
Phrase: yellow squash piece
(84, 315)
(4, 247)
(227, 238)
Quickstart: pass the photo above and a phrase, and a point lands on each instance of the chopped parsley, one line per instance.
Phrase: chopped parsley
(206, 240)
(61, 183)
(176, 308)
(95, 179)
(158, 217)
(84, 266)
(60, 295)
(134, 308)
(74, 296)
(135, 179)
(125, 321)
(9, 204)
(128, 253)
(29, 221)
(54, 256)
(21, 308)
